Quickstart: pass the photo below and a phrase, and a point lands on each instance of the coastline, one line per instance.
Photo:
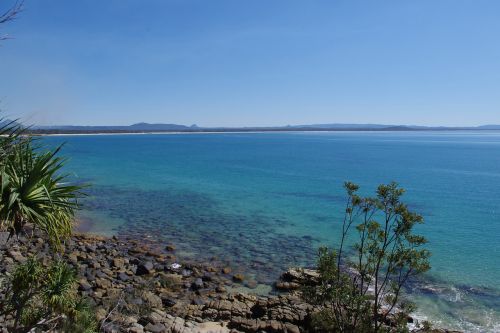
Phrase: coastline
(83, 225)
(257, 131)
(158, 293)
(199, 132)
(159, 217)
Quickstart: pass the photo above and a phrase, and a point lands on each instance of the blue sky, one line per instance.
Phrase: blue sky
(255, 62)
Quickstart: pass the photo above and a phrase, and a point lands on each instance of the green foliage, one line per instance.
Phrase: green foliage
(360, 293)
(46, 298)
(426, 326)
(82, 319)
(32, 190)
(345, 307)
(10, 135)
(59, 286)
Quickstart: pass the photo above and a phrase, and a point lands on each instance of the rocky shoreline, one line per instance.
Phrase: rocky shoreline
(136, 287)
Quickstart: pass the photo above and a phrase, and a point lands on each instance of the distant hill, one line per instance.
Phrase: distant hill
(395, 127)
(159, 127)
(146, 128)
(134, 127)
(489, 127)
(342, 126)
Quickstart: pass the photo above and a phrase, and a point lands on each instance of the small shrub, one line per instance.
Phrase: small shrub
(362, 292)
(46, 298)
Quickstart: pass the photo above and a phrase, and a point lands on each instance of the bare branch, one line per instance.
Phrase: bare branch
(10, 14)
(118, 304)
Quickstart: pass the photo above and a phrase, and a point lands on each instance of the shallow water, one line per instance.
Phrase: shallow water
(266, 201)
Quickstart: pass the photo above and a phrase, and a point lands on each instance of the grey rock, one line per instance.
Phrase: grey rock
(186, 272)
(282, 285)
(156, 328)
(168, 302)
(197, 284)
(118, 262)
(90, 248)
(84, 285)
(123, 277)
(89, 276)
(207, 277)
(152, 299)
(198, 301)
(137, 301)
(145, 268)
(136, 328)
(16, 255)
(100, 274)
(3, 239)
(111, 328)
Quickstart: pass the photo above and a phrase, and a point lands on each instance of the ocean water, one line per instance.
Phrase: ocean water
(265, 201)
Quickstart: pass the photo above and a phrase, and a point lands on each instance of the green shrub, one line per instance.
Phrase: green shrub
(362, 292)
(46, 298)
(34, 191)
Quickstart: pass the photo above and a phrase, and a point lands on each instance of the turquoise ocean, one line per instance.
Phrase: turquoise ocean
(265, 201)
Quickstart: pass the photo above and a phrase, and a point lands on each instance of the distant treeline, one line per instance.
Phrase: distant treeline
(219, 130)
(245, 129)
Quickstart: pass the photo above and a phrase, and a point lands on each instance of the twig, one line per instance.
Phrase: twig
(103, 323)
(10, 14)
(45, 322)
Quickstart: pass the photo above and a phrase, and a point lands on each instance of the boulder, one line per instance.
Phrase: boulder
(168, 302)
(238, 277)
(118, 263)
(84, 285)
(300, 276)
(16, 255)
(155, 328)
(136, 328)
(145, 268)
(282, 285)
(152, 299)
(197, 284)
(123, 277)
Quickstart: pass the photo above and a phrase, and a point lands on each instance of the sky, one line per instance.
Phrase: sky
(252, 63)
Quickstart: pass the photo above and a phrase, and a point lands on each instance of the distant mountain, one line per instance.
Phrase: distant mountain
(146, 127)
(158, 127)
(489, 127)
(394, 127)
(133, 128)
(343, 126)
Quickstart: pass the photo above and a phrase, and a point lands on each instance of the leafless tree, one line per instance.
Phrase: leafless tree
(10, 13)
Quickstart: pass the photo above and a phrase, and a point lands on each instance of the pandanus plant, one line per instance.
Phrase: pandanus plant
(45, 298)
(10, 135)
(34, 191)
